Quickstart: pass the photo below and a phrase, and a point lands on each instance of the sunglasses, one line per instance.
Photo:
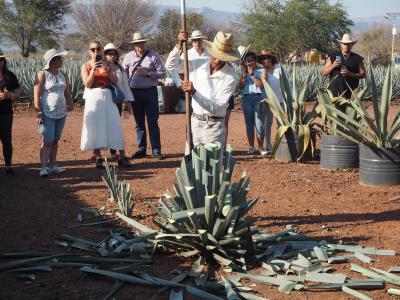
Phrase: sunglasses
(111, 53)
(95, 49)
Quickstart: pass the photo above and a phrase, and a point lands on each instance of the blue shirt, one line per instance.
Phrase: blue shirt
(250, 87)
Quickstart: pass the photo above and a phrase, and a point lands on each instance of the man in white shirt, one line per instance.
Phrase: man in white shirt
(196, 52)
(211, 83)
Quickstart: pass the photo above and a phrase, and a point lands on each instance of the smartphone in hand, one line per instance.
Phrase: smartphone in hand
(98, 58)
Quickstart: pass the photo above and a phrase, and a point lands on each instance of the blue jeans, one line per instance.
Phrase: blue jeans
(145, 107)
(52, 128)
(250, 104)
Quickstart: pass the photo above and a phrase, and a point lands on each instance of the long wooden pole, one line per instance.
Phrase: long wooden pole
(189, 138)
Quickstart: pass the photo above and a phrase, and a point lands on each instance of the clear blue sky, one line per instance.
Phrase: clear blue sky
(356, 8)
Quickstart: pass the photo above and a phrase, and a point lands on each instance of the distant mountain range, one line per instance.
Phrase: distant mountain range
(224, 17)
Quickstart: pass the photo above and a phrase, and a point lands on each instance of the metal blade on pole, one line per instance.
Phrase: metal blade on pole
(189, 138)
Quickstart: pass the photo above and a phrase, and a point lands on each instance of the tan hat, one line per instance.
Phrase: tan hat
(347, 39)
(222, 47)
(138, 37)
(50, 54)
(110, 46)
(196, 35)
(243, 51)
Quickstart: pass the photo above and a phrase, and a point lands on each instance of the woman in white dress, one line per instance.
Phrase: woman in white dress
(101, 121)
(52, 100)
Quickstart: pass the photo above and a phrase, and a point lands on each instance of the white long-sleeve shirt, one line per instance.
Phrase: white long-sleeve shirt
(192, 56)
(123, 84)
(212, 91)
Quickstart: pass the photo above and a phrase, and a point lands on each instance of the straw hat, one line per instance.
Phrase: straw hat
(243, 51)
(196, 35)
(50, 54)
(222, 47)
(347, 39)
(110, 46)
(2, 54)
(138, 37)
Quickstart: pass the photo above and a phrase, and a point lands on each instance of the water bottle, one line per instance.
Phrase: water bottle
(40, 128)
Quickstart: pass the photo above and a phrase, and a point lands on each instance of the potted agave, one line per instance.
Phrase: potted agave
(293, 140)
(379, 144)
(337, 152)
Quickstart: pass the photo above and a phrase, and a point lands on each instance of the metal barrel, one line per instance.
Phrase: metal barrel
(287, 149)
(338, 153)
(379, 167)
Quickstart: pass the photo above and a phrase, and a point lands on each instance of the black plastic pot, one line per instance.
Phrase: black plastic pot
(338, 153)
(379, 167)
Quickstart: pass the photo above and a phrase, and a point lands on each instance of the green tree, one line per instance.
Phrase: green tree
(169, 26)
(32, 23)
(293, 26)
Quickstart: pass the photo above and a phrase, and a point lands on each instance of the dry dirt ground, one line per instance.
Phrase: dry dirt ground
(33, 210)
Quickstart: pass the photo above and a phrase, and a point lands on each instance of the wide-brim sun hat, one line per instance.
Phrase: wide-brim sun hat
(347, 39)
(50, 54)
(243, 51)
(196, 35)
(109, 47)
(266, 53)
(222, 47)
(138, 37)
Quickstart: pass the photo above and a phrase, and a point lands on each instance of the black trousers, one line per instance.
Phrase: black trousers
(6, 121)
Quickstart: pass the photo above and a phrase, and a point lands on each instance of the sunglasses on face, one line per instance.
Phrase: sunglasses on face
(95, 49)
(111, 53)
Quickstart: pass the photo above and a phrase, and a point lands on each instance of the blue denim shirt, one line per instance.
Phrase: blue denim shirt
(250, 87)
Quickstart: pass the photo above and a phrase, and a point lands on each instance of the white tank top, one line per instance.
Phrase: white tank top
(53, 99)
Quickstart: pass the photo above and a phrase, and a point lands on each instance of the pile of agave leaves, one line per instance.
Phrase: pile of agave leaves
(205, 221)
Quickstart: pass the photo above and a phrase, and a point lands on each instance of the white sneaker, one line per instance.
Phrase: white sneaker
(251, 150)
(262, 151)
(44, 172)
(56, 170)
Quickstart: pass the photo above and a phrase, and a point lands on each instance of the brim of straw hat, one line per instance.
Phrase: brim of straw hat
(232, 55)
(244, 52)
(61, 53)
(347, 41)
(138, 41)
(111, 49)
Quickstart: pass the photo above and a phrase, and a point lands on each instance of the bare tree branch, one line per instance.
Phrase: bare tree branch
(113, 20)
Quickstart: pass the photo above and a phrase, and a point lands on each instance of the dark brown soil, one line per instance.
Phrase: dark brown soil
(33, 210)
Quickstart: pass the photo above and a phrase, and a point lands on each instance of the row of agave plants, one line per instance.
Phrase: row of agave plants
(26, 69)
(351, 136)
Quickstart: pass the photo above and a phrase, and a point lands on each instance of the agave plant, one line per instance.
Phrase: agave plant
(371, 131)
(329, 126)
(207, 214)
(120, 192)
(293, 116)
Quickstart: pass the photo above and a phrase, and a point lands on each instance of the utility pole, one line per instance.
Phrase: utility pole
(392, 17)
